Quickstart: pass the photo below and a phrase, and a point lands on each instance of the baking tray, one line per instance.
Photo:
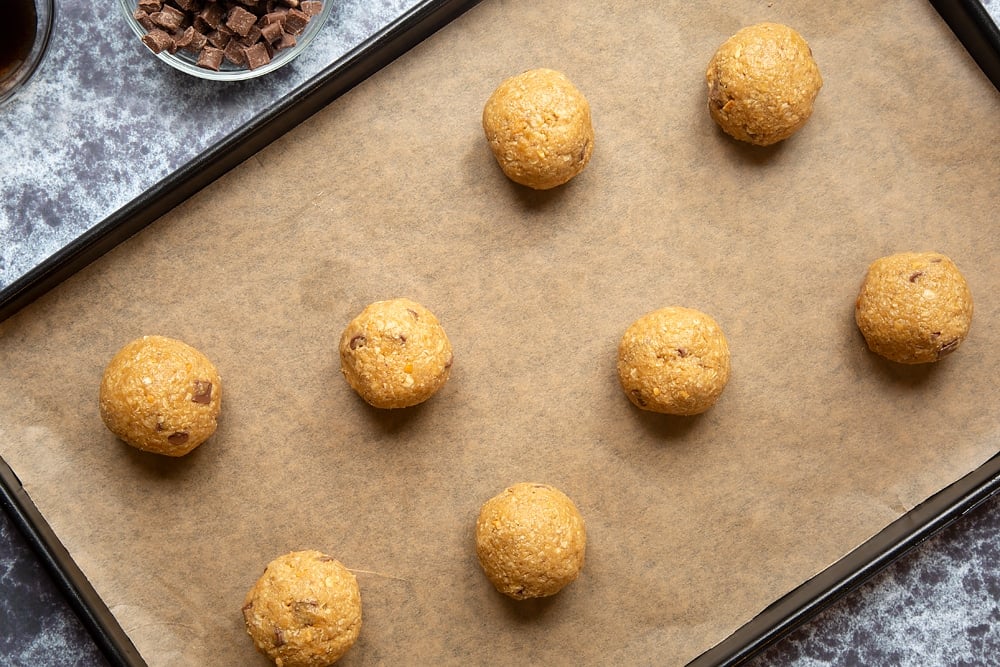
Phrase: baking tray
(969, 22)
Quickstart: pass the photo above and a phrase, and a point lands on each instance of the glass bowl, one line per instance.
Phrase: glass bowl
(185, 60)
(14, 79)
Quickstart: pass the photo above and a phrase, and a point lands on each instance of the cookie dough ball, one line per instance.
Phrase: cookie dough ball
(674, 360)
(538, 126)
(914, 307)
(395, 354)
(161, 395)
(530, 540)
(762, 83)
(304, 611)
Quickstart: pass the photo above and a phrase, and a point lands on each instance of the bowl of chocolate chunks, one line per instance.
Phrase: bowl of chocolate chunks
(226, 40)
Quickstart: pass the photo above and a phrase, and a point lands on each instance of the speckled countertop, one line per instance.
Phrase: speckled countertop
(938, 605)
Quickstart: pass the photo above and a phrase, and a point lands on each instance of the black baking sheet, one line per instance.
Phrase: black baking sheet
(968, 20)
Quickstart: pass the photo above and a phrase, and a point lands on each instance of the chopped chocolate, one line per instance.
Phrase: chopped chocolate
(198, 42)
(240, 20)
(236, 53)
(210, 58)
(178, 438)
(271, 32)
(357, 341)
(252, 36)
(295, 21)
(212, 15)
(169, 18)
(915, 275)
(273, 17)
(638, 397)
(948, 348)
(219, 40)
(157, 40)
(279, 638)
(183, 39)
(143, 19)
(246, 33)
(311, 7)
(202, 392)
(257, 56)
(287, 42)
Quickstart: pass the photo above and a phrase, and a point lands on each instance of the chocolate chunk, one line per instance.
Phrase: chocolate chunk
(157, 40)
(235, 53)
(202, 392)
(198, 42)
(287, 42)
(273, 17)
(143, 19)
(178, 438)
(414, 313)
(212, 15)
(210, 58)
(311, 7)
(150, 6)
(915, 275)
(240, 20)
(251, 37)
(638, 397)
(681, 352)
(357, 341)
(169, 18)
(271, 32)
(188, 5)
(218, 39)
(295, 21)
(948, 348)
(279, 638)
(184, 38)
(257, 56)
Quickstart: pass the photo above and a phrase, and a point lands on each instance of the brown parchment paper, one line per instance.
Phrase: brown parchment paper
(694, 525)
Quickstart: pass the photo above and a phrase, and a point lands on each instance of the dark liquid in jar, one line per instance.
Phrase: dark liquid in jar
(17, 33)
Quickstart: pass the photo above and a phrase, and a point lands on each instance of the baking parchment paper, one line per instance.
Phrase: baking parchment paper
(694, 524)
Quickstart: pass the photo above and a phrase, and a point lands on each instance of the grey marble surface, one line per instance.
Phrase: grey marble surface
(938, 605)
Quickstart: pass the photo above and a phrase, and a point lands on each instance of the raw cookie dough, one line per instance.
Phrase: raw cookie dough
(161, 395)
(538, 126)
(530, 540)
(304, 611)
(762, 83)
(674, 360)
(914, 307)
(395, 354)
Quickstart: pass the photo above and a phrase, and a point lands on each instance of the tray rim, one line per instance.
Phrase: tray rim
(968, 19)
